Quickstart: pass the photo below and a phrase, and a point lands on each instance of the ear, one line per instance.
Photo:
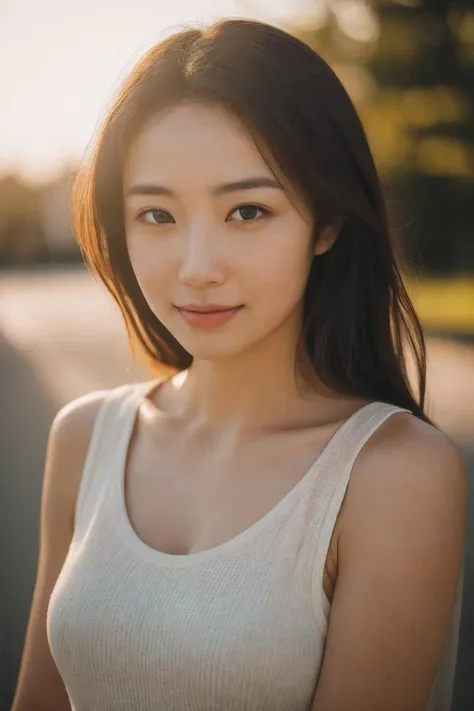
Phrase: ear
(327, 237)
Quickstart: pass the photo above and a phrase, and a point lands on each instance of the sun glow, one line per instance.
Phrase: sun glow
(60, 63)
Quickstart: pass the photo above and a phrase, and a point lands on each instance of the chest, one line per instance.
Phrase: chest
(226, 637)
(186, 500)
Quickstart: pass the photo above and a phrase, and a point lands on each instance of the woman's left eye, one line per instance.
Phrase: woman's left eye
(249, 213)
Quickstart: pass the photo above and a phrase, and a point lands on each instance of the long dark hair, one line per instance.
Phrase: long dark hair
(359, 323)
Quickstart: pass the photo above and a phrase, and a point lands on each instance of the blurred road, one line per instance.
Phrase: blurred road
(69, 331)
(61, 336)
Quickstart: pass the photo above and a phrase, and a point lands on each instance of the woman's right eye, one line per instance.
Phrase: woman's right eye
(162, 217)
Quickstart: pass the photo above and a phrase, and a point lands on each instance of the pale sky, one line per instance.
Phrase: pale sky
(62, 60)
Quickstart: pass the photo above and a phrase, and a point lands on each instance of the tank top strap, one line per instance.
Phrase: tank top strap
(112, 425)
(339, 460)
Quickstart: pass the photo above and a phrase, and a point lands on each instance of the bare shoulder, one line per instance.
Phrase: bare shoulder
(408, 458)
(400, 548)
(407, 468)
(76, 418)
(404, 435)
(39, 683)
(69, 440)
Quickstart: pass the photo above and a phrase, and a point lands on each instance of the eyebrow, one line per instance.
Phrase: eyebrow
(245, 184)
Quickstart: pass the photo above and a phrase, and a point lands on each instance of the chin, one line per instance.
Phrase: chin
(211, 346)
(215, 344)
(210, 353)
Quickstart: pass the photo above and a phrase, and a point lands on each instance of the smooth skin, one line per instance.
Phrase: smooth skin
(396, 552)
(40, 686)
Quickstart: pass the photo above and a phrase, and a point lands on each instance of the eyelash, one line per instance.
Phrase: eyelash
(265, 213)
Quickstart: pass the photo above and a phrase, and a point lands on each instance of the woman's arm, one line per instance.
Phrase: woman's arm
(39, 683)
(399, 559)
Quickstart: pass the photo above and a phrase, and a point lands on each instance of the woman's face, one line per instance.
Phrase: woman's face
(208, 224)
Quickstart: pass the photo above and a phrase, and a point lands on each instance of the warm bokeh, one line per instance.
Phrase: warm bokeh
(409, 67)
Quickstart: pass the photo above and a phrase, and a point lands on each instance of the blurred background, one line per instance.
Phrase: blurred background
(409, 67)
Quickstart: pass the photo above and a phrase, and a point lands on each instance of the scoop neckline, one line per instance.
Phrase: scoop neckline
(173, 560)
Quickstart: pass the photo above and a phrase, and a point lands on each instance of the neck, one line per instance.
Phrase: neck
(258, 388)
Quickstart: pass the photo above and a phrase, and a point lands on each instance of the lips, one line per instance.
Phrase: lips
(209, 308)
(208, 316)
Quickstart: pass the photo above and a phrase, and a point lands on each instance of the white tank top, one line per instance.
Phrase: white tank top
(239, 627)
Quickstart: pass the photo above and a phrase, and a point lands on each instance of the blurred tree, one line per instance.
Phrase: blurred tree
(21, 235)
(424, 62)
(409, 67)
(35, 224)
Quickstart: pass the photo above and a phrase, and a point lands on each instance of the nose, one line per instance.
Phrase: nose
(200, 262)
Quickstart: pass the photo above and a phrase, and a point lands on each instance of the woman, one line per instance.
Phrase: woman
(275, 524)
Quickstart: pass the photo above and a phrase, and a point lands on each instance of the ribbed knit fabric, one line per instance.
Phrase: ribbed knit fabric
(239, 627)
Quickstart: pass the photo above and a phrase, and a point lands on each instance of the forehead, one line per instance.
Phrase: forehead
(205, 138)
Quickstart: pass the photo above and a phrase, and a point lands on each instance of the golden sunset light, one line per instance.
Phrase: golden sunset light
(60, 63)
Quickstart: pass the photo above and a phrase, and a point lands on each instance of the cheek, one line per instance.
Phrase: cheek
(154, 277)
(151, 269)
(280, 273)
